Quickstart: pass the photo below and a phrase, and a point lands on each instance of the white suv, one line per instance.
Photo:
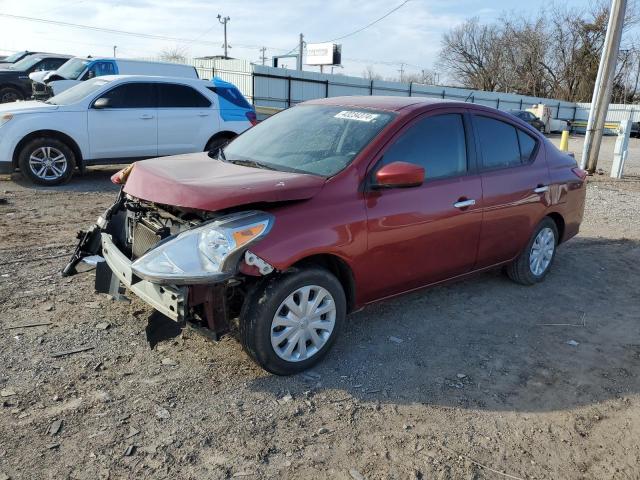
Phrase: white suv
(118, 119)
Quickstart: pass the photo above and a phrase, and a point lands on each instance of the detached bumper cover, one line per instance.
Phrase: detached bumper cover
(167, 299)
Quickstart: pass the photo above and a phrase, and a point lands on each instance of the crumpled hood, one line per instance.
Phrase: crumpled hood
(200, 182)
(30, 106)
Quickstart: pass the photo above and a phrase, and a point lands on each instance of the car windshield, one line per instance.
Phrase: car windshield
(14, 57)
(72, 69)
(78, 92)
(316, 139)
(26, 63)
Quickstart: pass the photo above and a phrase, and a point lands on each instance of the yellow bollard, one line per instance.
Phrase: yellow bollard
(564, 141)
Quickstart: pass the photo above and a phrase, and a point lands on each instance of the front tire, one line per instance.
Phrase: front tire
(47, 161)
(289, 322)
(535, 261)
(10, 94)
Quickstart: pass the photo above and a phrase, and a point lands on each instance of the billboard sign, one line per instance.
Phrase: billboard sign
(323, 54)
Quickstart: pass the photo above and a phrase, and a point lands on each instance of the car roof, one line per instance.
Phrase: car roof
(49, 55)
(390, 103)
(155, 78)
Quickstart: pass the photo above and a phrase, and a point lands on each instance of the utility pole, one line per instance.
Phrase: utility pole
(223, 21)
(603, 86)
(300, 51)
(114, 51)
(401, 72)
(263, 55)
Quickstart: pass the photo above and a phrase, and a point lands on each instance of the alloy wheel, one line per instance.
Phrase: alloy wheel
(542, 251)
(48, 163)
(303, 323)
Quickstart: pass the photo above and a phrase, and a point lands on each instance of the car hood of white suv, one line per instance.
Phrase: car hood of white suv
(31, 106)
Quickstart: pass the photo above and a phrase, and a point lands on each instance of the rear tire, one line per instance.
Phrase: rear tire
(534, 263)
(285, 340)
(47, 161)
(217, 142)
(10, 94)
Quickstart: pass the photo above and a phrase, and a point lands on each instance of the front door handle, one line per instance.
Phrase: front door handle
(464, 203)
(541, 189)
(146, 116)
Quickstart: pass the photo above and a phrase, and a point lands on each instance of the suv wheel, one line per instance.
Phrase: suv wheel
(46, 161)
(216, 143)
(289, 322)
(533, 264)
(10, 94)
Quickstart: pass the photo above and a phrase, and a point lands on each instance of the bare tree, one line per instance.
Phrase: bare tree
(175, 54)
(370, 74)
(552, 54)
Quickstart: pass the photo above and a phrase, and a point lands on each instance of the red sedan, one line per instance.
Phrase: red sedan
(329, 206)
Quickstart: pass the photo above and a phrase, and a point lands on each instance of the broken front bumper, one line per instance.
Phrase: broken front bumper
(167, 299)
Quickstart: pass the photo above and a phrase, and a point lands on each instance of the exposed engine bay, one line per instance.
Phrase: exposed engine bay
(136, 227)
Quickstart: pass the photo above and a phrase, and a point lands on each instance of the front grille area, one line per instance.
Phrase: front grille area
(144, 238)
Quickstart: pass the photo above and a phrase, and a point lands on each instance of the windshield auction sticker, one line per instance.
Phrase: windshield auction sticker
(359, 116)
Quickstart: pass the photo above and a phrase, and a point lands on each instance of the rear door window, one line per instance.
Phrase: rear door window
(180, 96)
(132, 95)
(436, 143)
(527, 146)
(498, 143)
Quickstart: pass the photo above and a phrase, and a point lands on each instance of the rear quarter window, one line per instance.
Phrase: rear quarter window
(231, 95)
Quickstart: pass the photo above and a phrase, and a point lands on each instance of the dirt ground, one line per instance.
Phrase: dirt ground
(490, 380)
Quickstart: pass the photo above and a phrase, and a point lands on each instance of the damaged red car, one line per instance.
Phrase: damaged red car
(329, 206)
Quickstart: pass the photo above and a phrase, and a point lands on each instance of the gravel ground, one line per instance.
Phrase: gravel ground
(483, 379)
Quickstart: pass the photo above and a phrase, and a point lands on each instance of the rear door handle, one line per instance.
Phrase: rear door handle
(202, 114)
(146, 116)
(464, 203)
(541, 189)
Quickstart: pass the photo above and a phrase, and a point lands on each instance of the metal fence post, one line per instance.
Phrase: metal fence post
(326, 90)
(443, 93)
(410, 88)
(371, 87)
(289, 91)
(498, 103)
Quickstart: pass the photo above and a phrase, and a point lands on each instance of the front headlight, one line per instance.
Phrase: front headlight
(5, 118)
(203, 254)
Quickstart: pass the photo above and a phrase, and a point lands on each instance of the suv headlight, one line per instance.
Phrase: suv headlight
(203, 254)
(5, 118)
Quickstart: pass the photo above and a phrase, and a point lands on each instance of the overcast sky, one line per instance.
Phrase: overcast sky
(411, 34)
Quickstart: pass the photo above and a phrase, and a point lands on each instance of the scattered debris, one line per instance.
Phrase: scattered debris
(163, 413)
(54, 428)
(28, 325)
(130, 450)
(323, 430)
(47, 307)
(461, 376)
(286, 399)
(103, 326)
(395, 340)
(573, 343)
(51, 446)
(169, 361)
(132, 433)
(71, 352)
(242, 474)
(7, 392)
(356, 475)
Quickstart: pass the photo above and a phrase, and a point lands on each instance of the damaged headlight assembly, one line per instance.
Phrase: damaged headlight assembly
(204, 254)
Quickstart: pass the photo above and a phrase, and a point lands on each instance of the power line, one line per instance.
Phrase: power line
(369, 24)
(123, 32)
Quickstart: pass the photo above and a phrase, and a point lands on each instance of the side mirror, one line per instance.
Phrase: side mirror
(101, 103)
(399, 175)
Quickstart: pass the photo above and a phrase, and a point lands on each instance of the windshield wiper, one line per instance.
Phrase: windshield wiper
(250, 163)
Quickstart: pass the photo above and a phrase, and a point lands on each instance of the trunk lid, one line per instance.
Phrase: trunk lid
(203, 183)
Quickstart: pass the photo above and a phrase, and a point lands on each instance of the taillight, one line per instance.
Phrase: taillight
(251, 116)
(580, 173)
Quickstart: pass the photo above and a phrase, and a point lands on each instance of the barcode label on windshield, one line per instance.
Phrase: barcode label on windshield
(359, 116)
